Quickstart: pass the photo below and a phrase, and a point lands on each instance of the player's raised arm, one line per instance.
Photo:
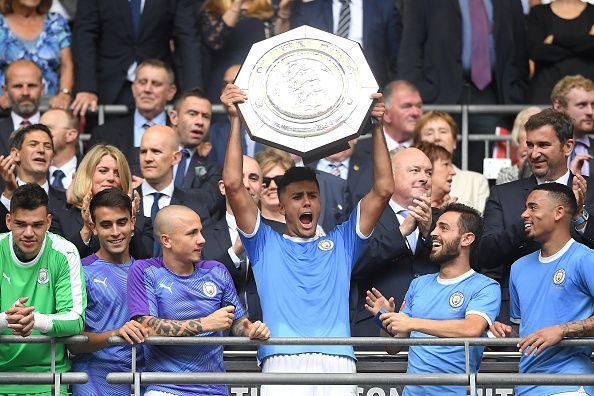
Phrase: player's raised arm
(374, 203)
(242, 205)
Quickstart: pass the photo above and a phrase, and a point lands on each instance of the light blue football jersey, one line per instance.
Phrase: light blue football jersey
(304, 284)
(430, 297)
(548, 292)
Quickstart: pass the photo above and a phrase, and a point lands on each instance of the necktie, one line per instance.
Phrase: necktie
(58, 176)
(480, 63)
(412, 238)
(154, 210)
(147, 125)
(344, 20)
(135, 13)
(25, 123)
(181, 169)
(586, 165)
(335, 168)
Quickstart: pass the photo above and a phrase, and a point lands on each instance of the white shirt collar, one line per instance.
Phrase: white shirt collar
(396, 206)
(230, 221)
(455, 280)
(555, 256)
(67, 168)
(17, 119)
(562, 180)
(140, 120)
(147, 189)
(393, 144)
(45, 185)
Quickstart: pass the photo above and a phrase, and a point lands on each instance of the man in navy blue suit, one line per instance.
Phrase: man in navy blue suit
(372, 23)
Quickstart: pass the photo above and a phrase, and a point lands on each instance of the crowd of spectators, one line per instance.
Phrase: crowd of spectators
(183, 53)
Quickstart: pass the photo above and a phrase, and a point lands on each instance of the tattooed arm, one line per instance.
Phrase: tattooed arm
(242, 327)
(219, 320)
(548, 336)
(578, 328)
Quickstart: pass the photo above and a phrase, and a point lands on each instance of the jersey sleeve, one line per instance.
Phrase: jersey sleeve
(486, 302)
(230, 294)
(515, 315)
(71, 296)
(254, 243)
(142, 299)
(354, 241)
(586, 271)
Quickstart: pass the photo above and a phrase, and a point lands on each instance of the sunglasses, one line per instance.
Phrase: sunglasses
(266, 180)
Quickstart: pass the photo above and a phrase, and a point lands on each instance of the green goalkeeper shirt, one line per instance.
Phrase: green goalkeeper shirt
(54, 283)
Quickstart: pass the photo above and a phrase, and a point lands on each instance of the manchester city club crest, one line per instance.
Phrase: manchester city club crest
(559, 276)
(210, 289)
(325, 245)
(43, 277)
(456, 300)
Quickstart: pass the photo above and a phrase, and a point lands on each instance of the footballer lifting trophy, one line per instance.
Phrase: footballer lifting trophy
(308, 92)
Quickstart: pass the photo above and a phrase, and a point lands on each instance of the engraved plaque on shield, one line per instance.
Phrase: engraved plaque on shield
(308, 92)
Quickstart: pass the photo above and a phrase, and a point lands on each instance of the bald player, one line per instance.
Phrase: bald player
(159, 153)
(182, 295)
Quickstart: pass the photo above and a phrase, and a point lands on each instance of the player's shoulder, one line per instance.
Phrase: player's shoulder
(523, 262)
(425, 280)
(483, 281)
(4, 236)
(139, 267)
(58, 245)
(212, 266)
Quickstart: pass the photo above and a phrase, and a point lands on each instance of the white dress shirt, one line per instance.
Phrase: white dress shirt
(17, 119)
(147, 198)
(411, 240)
(232, 227)
(562, 180)
(356, 26)
(393, 144)
(326, 166)
(68, 168)
(139, 121)
(6, 202)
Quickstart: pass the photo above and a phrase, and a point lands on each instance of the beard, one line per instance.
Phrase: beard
(448, 252)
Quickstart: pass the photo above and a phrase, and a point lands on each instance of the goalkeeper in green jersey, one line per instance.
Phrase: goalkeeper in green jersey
(42, 290)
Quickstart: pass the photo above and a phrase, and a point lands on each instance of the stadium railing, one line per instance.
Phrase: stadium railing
(136, 379)
(464, 110)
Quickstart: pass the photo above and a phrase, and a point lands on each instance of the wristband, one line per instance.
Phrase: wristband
(378, 321)
(43, 323)
(3, 321)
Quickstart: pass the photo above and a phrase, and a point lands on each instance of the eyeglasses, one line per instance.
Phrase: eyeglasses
(266, 180)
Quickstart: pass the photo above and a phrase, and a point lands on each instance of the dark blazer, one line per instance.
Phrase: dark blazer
(56, 200)
(181, 197)
(104, 44)
(219, 134)
(67, 221)
(6, 128)
(381, 35)
(118, 132)
(202, 177)
(504, 240)
(388, 265)
(333, 210)
(360, 176)
(433, 49)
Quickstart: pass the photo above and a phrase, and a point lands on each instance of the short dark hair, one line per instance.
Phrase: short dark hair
(111, 198)
(561, 123)
(562, 194)
(29, 196)
(191, 93)
(470, 220)
(159, 64)
(17, 137)
(296, 174)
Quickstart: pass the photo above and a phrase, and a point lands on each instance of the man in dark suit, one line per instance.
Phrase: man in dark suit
(372, 23)
(223, 243)
(64, 127)
(550, 141)
(574, 95)
(112, 37)
(191, 118)
(478, 57)
(153, 87)
(399, 247)
(31, 152)
(404, 106)
(23, 86)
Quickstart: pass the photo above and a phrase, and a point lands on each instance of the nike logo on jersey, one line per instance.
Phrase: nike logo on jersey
(103, 282)
(161, 285)
(7, 278)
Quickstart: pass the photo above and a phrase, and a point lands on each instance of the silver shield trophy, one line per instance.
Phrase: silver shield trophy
(308, 92)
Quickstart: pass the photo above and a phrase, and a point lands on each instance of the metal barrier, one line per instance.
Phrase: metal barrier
(469, 379)
(464, 110)
(52, 378)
